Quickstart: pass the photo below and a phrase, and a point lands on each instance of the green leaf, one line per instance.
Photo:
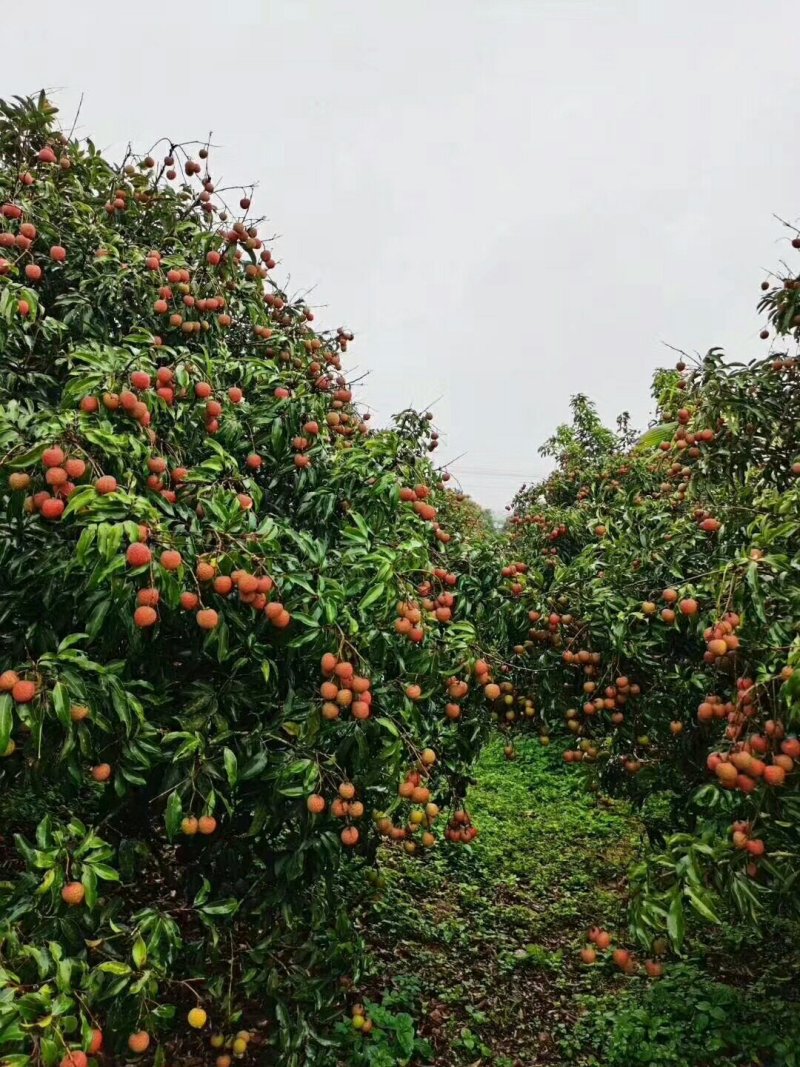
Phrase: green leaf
(375, 593)
(676, 921)
(114, 967)
(61, 702)
(231, 767)
(700, 905)
(102, 870)
(89, 879)
(173, 814)
(46, 882)
(229, 907)
(139, 953)
(6, 721)
(388, 725)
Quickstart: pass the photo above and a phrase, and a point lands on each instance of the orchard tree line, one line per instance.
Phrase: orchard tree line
(250, 643)
(659, 629)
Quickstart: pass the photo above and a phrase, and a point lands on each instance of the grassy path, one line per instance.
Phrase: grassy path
(480, 944)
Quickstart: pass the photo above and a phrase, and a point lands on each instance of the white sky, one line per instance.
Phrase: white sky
(508, 201)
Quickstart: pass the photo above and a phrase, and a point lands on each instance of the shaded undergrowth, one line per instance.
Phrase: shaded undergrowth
(479, 945)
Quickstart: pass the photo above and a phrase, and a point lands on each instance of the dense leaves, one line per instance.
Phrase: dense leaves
(662, 596)
(209, 696)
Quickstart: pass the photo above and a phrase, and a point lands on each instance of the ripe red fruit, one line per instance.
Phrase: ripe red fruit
(23, 691)
(102, 772)
(46, 155)
(75, 1058)
(171, 560)
(89, 404)
(726, 773)
(139, 1042)
(75, 468)
(235, 394)
(140, 380)
(58, 253)
(145, 617)
(202, 390)
(349, 836)
(204, 571)
(96, 1042)
(33, 272)
(148, 597)
(207, 619)
(213, 258)
(315, 804)
(774, 775)
(52, 509)
(24, 308)
(223, 584)
(189, 601)
(106, 485)
(138, 554)
(53, 457)
(622, 958)
(8, 679)
(73, 893)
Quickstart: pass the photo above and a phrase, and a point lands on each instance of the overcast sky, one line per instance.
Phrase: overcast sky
(508, 201)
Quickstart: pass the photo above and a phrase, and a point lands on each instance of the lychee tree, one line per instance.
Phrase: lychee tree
(657, 595)
(231, 621)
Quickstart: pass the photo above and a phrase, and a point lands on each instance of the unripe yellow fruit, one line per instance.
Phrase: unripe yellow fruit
(197, 1018)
